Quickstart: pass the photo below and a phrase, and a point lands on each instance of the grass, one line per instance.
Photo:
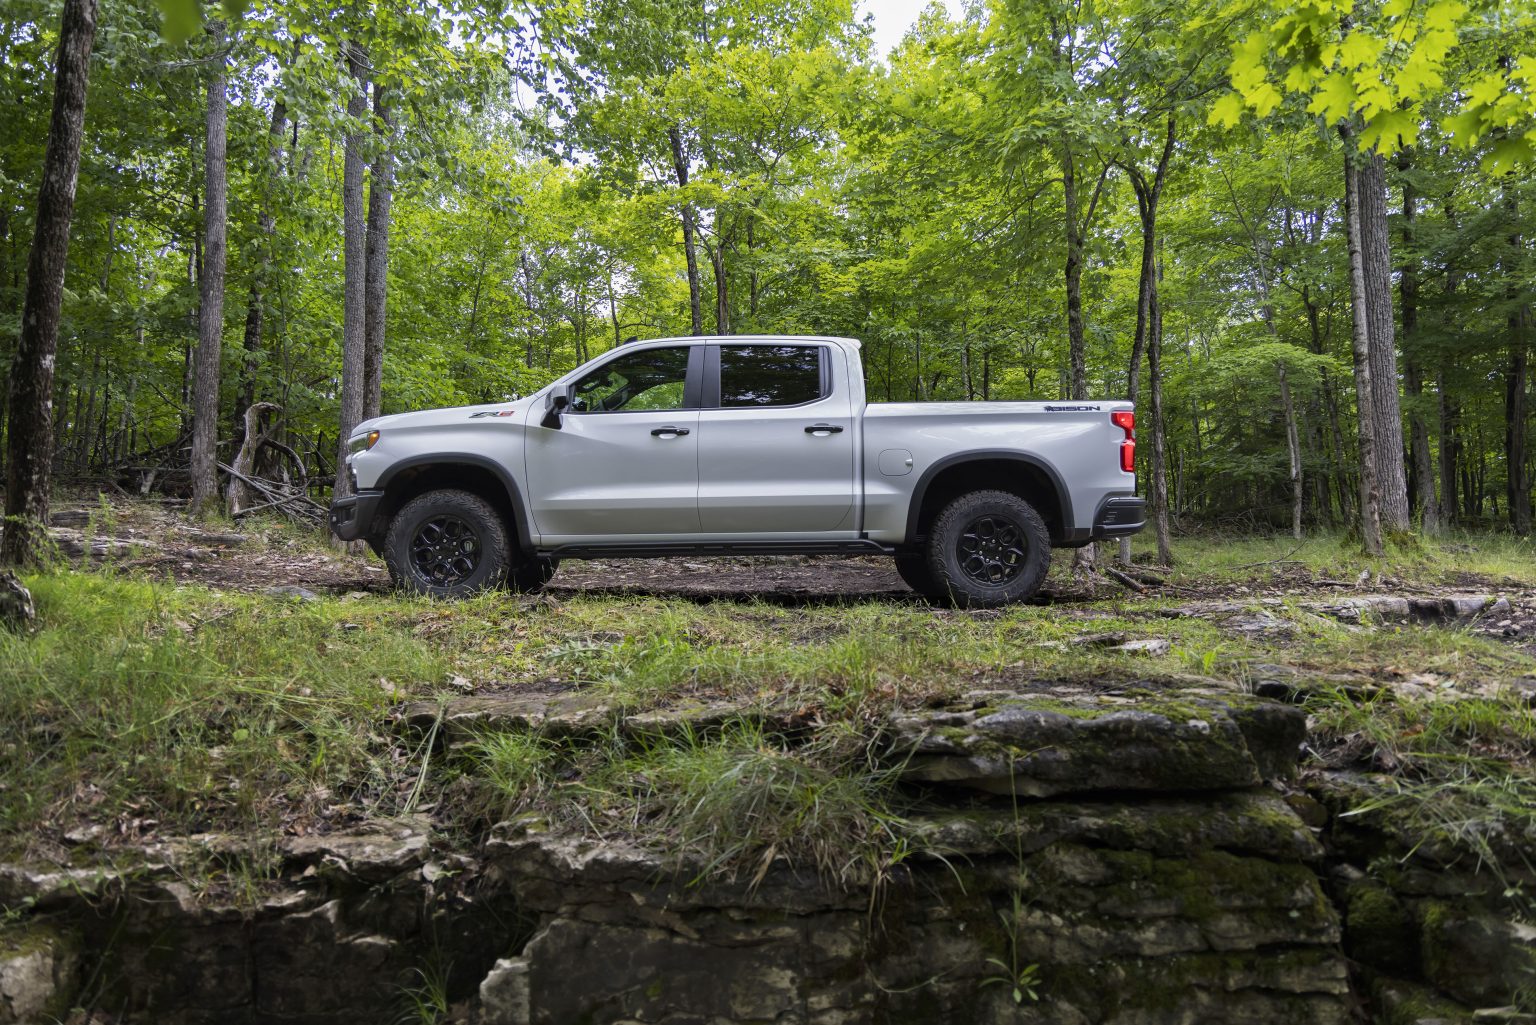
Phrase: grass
(143, 706)
(1456, 557)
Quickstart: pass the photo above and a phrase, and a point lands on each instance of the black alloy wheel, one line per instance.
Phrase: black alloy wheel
(992, 550)
(445, 551)
(448, 543)
(988, 548)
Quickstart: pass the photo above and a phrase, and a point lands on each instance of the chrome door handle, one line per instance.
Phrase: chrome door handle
(662, 432)
(822, 430)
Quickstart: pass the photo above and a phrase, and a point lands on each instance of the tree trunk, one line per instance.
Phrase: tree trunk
(1159, 491)
(210, 317)
(376, 286)
(1086, 557)
(354, 245)
(1518, 484)
(1148, 323)
(1293, 449)
(680, 168)
(722, 293)
(1423, 474)
(1370, 498)
(1376, 267)
(1073, 273)
(29, 437)
(253, 437)
(1449, 444)
(255, 309)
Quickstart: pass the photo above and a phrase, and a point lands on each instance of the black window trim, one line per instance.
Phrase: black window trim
(712, 372)
(693, 384)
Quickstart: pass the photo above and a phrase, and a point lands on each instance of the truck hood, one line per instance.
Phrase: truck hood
(442, 417)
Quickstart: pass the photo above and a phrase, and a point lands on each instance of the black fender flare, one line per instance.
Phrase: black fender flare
(920, 491)
(520, 514)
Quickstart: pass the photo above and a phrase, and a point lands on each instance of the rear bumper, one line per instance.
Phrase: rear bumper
(1119, 516)
(352, 517)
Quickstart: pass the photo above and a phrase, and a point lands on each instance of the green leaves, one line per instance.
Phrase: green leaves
(181, 19)
(1378, 63)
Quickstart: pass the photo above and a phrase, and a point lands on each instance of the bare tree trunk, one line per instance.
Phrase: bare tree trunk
(1376, 266)
(354, 243)
(1421, 465)
(210, 317)
(1517, 483)
(1148, 325)
(1370, 498)
(1073, 273)
(376, 286)
(1293, 449)
(255, 309)
(254, 436)
(29, 437)
(722, 293)
(1160, 527)
(680, 168)
(1086, 557)
(1449, 444)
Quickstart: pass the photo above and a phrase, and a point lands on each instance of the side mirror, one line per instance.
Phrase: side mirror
(558, 401)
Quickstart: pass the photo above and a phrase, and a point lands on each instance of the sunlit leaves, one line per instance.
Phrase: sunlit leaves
(1376, 63)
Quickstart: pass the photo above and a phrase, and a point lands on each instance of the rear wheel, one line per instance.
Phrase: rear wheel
(988, 548)
(447, 543)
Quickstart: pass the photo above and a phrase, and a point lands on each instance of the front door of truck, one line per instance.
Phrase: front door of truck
(776, 446)
(625, 461)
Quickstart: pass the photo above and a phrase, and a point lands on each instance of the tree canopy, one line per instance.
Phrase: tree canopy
(1028, 201)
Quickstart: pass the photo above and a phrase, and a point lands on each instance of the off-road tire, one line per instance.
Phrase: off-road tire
(484, 553)
(913, 569)
(529, 575)
(988, 548)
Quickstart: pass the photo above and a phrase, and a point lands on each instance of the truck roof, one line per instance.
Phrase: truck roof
(717, 339)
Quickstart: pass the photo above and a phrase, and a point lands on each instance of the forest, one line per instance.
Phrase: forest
(1298, 234)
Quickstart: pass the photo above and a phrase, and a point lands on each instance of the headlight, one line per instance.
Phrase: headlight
(362, 443)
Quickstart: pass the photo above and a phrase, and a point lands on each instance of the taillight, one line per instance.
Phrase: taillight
(1125, 419)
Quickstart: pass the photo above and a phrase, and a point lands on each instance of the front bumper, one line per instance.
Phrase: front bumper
(352, 517)
(1119, 516)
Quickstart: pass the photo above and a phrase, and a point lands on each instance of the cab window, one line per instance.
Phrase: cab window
(770, 375)
(649, 380)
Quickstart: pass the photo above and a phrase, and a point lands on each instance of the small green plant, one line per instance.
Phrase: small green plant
(1022, 979)
(427, 1002)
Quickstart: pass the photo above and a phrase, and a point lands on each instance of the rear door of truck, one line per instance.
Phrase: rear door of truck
(776, 440)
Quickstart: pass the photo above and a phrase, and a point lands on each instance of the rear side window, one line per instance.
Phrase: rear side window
(770, 375)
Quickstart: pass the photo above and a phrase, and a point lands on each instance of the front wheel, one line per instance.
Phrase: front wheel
(447, 543)
(988, 548)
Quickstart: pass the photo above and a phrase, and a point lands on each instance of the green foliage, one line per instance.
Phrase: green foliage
(1385, 63)
(913, 200)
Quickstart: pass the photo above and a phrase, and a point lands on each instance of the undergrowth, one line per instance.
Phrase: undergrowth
(142, 707)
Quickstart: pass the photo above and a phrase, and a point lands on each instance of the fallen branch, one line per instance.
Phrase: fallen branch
(291, 504)
(1286, 559)
(1124, 580)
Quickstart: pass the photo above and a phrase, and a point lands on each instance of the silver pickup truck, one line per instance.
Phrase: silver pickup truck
(760, 445)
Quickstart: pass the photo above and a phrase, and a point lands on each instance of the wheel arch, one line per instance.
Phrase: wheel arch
(463, 471)
(1029, 477)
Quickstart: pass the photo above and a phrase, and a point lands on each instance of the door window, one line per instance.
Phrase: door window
(649, 380)
(770, 375)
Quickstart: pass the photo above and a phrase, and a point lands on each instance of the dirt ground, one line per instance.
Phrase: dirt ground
(158, 539)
